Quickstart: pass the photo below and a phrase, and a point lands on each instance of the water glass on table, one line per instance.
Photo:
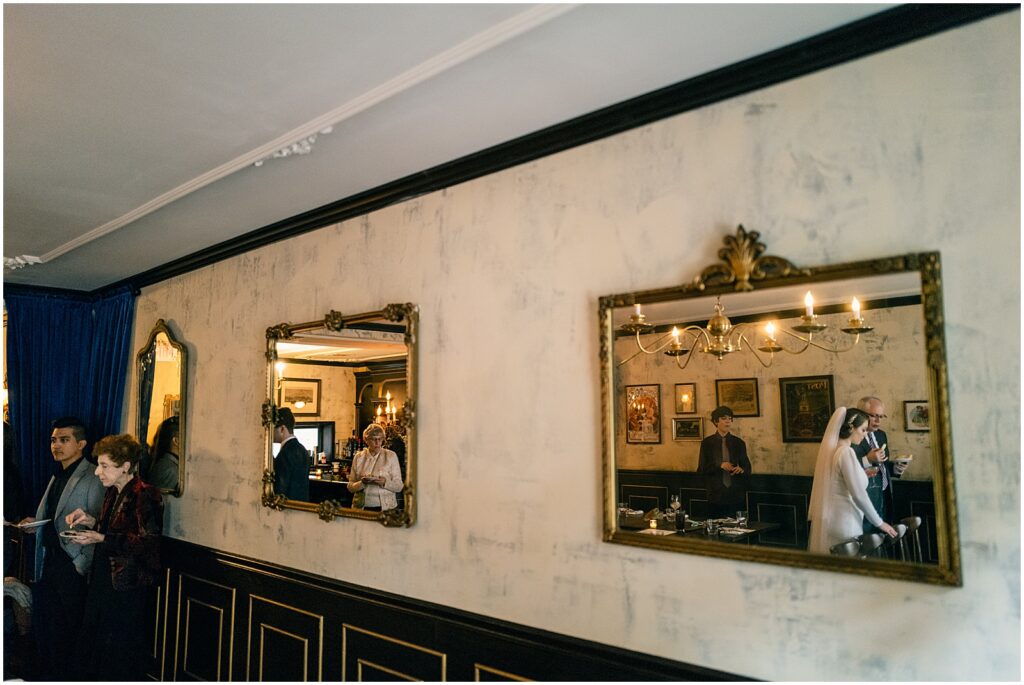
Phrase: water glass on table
(741, 518)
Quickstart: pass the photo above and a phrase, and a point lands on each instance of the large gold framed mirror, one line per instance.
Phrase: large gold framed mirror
(162, 366)
(718, 396)
(340, 416)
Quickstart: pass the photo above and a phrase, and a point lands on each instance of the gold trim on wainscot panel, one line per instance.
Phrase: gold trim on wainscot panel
(248, 635)
(177, 622)
(397, 674)
(220, 635)
(305, 649)
(345, 627)
(156, 623)
(167, 607)
(477, 668)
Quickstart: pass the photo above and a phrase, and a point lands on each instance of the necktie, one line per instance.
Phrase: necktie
(726, 476)
(881, 467)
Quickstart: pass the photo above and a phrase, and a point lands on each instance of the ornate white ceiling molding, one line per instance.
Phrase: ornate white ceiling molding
(21, 261)
(300, 140)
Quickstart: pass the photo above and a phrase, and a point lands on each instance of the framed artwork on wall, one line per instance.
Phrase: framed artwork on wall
(643, 413)
(739, 394)
(915, 416)
(688, 428)
(301, 395)
(686, 398)
(807, 404)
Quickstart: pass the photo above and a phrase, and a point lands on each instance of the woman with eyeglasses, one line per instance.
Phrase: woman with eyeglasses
(376, 475)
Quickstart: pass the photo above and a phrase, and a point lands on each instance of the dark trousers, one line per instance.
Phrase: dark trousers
(58, 604)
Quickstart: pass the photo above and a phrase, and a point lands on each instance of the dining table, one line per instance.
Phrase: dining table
(728, 529)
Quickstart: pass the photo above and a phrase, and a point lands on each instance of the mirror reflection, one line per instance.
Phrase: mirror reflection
(782, 426)
(340, 439)
(162, 364)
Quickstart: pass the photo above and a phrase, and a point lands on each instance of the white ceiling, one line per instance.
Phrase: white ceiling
(131, 131)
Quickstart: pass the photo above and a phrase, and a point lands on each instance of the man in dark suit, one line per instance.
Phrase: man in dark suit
(291, 469)
(725, 465)
(62, 566)
(874, 452)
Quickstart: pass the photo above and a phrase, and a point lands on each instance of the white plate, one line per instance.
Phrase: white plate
(69, 533)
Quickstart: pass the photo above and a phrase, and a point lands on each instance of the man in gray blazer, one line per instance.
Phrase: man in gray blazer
(62, 566)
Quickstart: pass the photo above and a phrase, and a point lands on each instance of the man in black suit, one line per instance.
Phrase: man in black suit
(291, 470)
(874, 452)
(725, 465)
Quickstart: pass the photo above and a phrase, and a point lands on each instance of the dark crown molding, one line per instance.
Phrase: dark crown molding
(858, 39)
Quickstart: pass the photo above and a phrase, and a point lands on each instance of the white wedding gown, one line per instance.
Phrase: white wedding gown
(845, 506)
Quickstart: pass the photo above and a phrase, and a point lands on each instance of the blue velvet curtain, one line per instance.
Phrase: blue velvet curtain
(66, 355)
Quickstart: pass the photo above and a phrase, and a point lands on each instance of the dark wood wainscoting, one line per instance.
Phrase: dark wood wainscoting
(220, 616)
(773, 499)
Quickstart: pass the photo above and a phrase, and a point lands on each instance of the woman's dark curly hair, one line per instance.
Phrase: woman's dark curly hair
(120, 448)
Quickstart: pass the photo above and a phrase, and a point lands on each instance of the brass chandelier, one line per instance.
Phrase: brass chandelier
(720, 337)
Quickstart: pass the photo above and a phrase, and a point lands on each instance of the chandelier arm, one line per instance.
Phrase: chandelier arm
(688, 356)
(753, 351)
(643, 350)
(655, 349)
(808, 342)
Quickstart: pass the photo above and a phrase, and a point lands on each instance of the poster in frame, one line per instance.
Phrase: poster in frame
(301, 395)
(643, 414)
(688, 428)
(739, 394)
(686, 398)
(916, 417)
(807, 405)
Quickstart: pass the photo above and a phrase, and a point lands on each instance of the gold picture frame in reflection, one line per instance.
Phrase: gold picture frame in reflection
(686, 398)
(739, 394)
(301, 395)
(643, 413)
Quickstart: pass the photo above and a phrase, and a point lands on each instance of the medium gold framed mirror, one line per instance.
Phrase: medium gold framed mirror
(162, 366)
(718, 398)
(340, 416)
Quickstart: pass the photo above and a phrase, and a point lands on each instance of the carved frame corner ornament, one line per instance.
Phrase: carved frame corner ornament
(281, 331)
(268, 414)
(334, 321)
(743, 260)
(270, 498)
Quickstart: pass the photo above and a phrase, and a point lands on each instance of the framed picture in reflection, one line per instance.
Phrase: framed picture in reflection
(739, 394)
(807, 405)
(686, 398)
(301, 395)
(915, 416)
(643, 413)
(688, 428)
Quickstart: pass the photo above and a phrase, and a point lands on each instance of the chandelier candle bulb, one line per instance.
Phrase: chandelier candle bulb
(856, 308)
(809, 303)
(770, 330)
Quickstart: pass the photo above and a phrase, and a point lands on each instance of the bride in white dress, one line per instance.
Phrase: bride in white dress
(839, 498)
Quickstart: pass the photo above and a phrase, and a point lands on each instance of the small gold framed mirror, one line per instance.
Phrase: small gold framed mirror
(340, 416)
(162, 366)
(718, 398)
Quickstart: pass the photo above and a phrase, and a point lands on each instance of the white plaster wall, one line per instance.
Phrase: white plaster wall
(912, 149)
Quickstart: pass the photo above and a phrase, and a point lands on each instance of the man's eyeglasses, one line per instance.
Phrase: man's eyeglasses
(878, 416)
